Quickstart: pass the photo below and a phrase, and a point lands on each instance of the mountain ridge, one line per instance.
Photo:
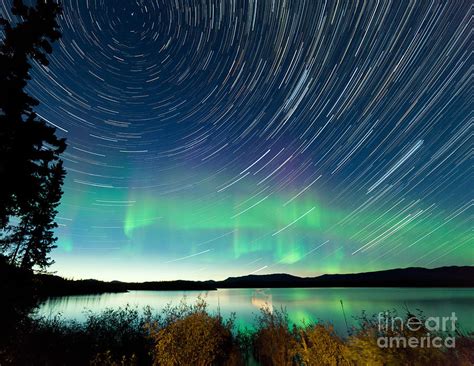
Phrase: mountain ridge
(447, 276)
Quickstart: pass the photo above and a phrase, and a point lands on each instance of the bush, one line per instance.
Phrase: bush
(274, 342)
(364, 348)
(113, 337)
(107, 359)
(191, 336)
(119, 331)
(463, 354)
(319, 345)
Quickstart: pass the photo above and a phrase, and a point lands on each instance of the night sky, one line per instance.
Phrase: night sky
(216, 138)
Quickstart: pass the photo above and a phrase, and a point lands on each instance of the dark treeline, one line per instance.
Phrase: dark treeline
(51, 285)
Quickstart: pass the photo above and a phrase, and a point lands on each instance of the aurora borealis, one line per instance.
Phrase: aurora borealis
(216, 138)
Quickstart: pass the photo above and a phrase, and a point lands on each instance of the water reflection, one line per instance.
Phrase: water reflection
(262, 300)
(309, 305)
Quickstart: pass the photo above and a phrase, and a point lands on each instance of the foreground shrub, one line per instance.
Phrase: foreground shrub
(112, 337)
(108, 359)
(274, 342)
(319, 345)
(463, 354)
(117, 331)
(364, 347)
(191, 336)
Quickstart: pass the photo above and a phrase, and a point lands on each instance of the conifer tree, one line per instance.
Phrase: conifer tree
(30, 167)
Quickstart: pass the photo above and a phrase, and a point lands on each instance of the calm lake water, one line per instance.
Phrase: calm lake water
(309, 304)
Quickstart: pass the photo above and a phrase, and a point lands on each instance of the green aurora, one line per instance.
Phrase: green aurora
(272, 233)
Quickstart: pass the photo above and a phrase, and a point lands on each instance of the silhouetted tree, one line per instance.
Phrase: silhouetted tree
(33, 238)
(30, 167)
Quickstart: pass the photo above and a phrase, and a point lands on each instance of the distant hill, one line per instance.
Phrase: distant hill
(178, 285)
(403, 277)
(270, 280)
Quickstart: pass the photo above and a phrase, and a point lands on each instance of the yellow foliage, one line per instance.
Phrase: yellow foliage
(364, 349)
(320, 346)
(274, 342)
(198, 339)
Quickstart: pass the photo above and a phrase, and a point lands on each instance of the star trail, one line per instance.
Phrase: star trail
(209, 138)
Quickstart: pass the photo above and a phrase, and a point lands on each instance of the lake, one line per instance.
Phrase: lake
(309, 304)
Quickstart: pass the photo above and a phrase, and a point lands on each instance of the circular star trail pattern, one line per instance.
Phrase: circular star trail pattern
(216, 138)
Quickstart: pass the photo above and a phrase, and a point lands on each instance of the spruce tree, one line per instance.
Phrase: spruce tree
(30, 167)
(40, 241)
